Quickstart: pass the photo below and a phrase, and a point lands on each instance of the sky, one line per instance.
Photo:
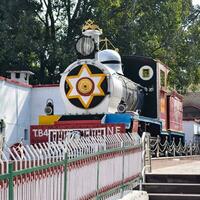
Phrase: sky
(196, 2)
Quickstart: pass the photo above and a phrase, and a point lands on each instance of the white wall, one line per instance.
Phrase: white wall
(39, 97)
(191, 128)
(15, 110)
(20, 107)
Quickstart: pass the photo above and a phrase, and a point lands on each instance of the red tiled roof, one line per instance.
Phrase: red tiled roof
(27, 85)
(15, 82)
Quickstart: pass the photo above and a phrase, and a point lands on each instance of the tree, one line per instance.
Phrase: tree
(16, 34)
(41, 34)
(61, 22)
(158, 29)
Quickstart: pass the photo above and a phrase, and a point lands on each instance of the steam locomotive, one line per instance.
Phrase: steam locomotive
(102, 90)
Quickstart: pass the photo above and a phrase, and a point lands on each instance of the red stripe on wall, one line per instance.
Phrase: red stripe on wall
(46, 85)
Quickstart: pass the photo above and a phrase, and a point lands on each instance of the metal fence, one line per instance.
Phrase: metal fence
(146, 155)
(101, 167)
(166, 148)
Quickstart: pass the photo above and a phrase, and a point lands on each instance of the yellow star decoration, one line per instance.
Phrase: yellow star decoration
(85, 86)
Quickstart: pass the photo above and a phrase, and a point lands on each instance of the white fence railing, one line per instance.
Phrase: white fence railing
(146, 155)
(93, 166)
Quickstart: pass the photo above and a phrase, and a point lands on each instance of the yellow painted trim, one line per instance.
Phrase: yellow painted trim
(48, 119)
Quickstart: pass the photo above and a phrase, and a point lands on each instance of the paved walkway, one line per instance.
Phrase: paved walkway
(176, 166)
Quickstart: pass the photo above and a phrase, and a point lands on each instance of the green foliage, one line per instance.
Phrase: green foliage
(40, 34)
(164, 29)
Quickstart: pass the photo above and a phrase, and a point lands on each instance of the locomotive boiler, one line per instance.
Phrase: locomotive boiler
(97, 86)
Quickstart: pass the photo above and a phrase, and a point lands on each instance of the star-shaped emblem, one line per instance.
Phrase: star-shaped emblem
(85, 85)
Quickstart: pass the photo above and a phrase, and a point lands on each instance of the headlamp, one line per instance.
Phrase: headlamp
(85, 46)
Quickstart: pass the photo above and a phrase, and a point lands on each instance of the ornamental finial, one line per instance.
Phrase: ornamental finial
(90, 25)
